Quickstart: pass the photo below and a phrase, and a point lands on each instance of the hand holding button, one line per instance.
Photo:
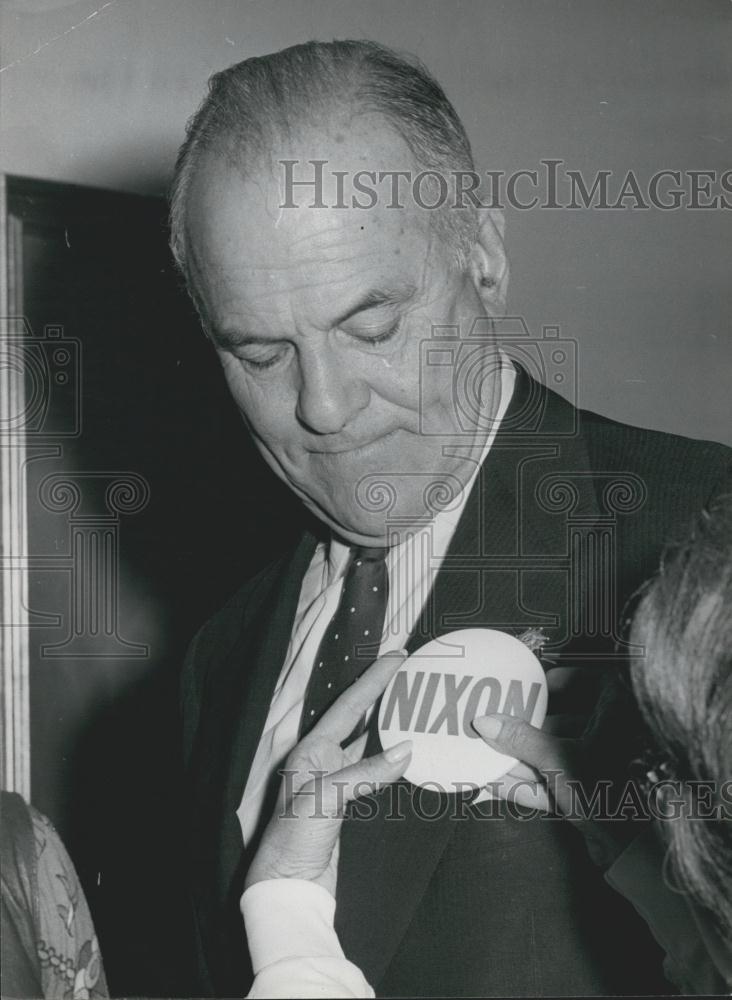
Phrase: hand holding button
(556, 763)
(319, 779)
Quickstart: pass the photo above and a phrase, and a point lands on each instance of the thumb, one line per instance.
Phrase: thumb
(517, 738)
(549, 754)
(369, 774)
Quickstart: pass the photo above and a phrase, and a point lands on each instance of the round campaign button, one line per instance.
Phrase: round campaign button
(440, 689)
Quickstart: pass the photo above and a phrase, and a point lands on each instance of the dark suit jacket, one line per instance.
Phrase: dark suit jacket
(568, 516)
(698, 960)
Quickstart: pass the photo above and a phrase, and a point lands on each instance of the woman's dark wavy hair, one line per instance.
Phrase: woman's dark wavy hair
(684, 689)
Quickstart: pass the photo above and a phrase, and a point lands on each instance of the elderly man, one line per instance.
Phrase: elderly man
(353, 324)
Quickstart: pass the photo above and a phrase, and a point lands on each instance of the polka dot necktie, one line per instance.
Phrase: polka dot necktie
(351, 641)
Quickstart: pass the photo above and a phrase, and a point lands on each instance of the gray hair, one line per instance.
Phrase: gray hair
(684, 688)
(253, 101)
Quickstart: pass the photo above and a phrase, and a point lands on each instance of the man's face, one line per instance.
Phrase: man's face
(318, 315)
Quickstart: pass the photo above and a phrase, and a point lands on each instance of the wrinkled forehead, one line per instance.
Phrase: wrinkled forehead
(285, 224)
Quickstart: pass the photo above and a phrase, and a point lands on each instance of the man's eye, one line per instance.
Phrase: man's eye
(380, 338)
(261, 361)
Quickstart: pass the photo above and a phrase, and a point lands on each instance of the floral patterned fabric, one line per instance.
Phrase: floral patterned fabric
(68, 952)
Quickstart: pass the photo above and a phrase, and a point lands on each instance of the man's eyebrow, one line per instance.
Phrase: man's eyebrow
(230, 338)
(377, 297)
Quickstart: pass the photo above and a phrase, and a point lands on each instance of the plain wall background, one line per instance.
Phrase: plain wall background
(98, 93)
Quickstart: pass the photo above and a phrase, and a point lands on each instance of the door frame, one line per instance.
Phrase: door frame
(14, 629)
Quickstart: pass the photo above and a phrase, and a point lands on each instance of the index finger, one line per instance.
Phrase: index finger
(348, 710)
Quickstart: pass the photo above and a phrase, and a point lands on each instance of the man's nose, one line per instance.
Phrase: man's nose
(330, 393)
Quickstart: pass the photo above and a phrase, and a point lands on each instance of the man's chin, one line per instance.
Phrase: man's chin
(384, 506)
(367, 532)
(370, 531)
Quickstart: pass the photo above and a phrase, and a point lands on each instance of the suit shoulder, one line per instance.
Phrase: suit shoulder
(654, 485)
(682, 463)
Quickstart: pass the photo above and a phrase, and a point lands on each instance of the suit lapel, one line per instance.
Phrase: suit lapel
(237, 697)
(504, 538)
(267, 656)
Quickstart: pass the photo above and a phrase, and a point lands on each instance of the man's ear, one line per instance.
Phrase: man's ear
(488, 263)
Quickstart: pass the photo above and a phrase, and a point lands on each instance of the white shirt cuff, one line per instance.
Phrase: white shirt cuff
(293, 945)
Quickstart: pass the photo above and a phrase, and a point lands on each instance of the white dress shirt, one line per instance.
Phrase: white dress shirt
(268, 907)
(294, 949)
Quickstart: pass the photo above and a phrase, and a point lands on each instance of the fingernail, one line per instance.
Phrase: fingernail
(488, 726)
(399, 752)
(401, 653)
